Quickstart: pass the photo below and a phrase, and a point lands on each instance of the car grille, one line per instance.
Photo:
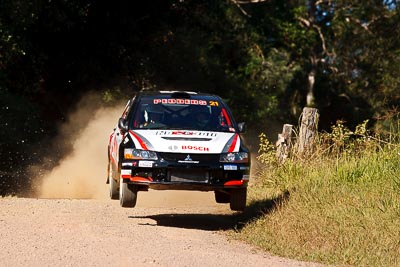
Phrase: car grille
(202, 158)
(189, 176)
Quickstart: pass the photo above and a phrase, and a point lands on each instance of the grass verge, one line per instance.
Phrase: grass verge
(341, 206)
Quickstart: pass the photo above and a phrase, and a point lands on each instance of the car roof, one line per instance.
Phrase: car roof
(172, 92)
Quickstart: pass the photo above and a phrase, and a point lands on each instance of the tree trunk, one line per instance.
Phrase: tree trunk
(308, 131)
(284, 143)
(311, 81)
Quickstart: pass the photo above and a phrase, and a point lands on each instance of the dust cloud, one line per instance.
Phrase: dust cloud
(81, 173)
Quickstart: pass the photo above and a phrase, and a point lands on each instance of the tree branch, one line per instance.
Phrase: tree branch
(308, 24)
(321, 36)
(242, 2)
(237, 3)
(362, 25)
(329, 2)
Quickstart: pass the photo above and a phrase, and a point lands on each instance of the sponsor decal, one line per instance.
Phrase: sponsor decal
(244, 168)
(186, 138)
(126, 163)
(185, 133)
(230, 167)
(180, 101)
(246, 177)
(188, 159)
(126, 140)
(146, 163)
(196, 148)
(173, 148)
(181, 133)
(214, 103)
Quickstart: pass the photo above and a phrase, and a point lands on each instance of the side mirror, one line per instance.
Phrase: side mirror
(242, 127)
(122, 125)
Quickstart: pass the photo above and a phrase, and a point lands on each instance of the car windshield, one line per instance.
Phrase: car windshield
(196, 113)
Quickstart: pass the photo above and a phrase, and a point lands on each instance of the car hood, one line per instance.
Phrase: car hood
(186, 141)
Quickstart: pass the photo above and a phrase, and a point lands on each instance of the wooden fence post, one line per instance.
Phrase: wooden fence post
(308, 131)
(284, 143)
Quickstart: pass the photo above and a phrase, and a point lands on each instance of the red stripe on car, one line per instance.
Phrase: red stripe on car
(235, 183)
(142, 144)
(232, 147)
(228, 121)
(141, 179)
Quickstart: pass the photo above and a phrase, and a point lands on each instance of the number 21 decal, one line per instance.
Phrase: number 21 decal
(214, 103)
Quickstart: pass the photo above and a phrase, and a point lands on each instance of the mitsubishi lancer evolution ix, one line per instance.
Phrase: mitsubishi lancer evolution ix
(172, 140)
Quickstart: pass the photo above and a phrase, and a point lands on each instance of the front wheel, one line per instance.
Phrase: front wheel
(238, 199)
(127, 194)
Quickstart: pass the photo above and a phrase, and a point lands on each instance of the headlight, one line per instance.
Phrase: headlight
(236, 157)
(132, 153)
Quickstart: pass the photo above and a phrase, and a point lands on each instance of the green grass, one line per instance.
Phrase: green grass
(340, 206)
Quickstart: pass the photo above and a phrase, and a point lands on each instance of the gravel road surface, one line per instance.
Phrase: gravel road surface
(174, 230)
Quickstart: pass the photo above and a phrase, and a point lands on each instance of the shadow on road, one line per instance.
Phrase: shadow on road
(207, 222)
(215, 222)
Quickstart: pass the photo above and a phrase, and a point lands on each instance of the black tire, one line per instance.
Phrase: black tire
(127, 194)
(238, 199)
(114, 190)
(221, 197)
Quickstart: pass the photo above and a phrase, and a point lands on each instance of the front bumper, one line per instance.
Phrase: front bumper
(173, 173)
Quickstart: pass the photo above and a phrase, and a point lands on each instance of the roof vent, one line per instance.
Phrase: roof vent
(180, 95)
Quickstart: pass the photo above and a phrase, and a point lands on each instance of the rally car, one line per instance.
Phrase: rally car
(173, 140)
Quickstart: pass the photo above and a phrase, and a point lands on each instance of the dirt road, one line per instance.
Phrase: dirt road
(172, 230)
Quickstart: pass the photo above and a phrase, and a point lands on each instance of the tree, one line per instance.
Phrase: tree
(346, 54)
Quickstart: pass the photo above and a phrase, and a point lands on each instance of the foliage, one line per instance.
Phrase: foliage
(343, 205)
(266, 152)
(257, 56)
(369, 73)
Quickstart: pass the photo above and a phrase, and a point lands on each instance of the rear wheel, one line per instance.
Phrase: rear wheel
(127, 194)
(114, 192)
(221, 197)
(238, 199)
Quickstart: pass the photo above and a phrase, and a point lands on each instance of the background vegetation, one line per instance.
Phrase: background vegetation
(339, 206)
(267, 58)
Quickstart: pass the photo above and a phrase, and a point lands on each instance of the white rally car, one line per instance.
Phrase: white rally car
(172, 140)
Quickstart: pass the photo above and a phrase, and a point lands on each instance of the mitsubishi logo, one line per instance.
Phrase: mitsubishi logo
(188, 159)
